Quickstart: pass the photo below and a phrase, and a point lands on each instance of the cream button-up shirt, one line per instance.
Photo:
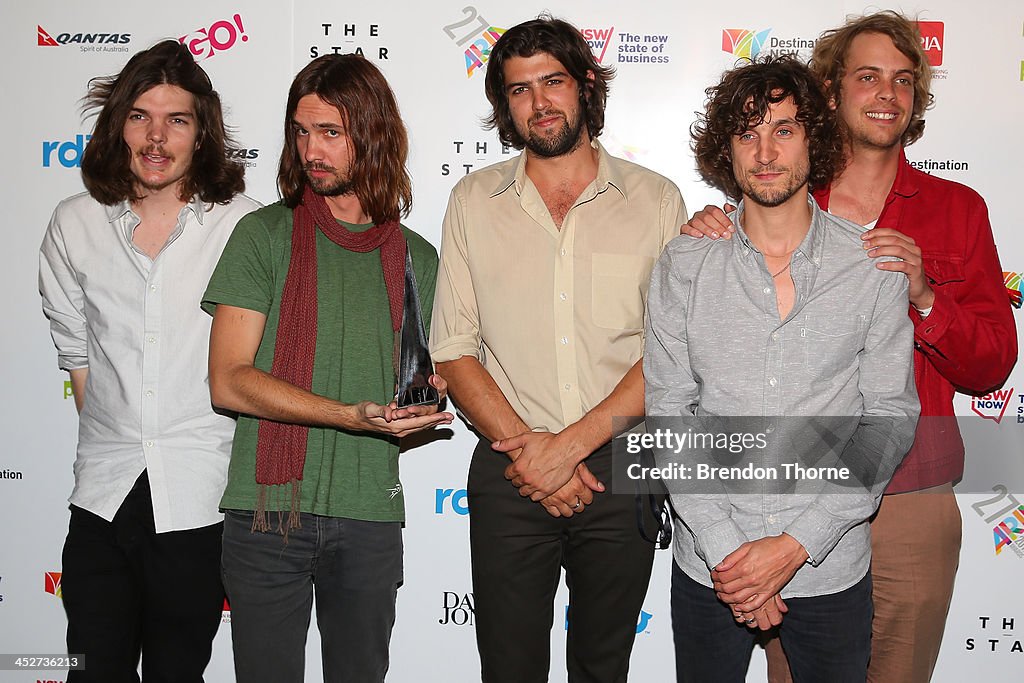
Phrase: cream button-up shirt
(556, 316)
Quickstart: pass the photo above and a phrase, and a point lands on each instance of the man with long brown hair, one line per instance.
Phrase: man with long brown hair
(122, 269)
(308, 300)
(879, 79)
(539, 324)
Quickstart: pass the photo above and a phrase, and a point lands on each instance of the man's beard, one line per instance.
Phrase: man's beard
(774, 196)
(328, 187)
(565, 140)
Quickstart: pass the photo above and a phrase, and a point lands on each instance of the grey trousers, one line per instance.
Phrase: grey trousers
(355, 569)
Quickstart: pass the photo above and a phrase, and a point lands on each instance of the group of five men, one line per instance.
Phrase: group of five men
(538, 332)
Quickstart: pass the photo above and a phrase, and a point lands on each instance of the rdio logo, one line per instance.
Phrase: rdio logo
(69, 153)
(457, 498)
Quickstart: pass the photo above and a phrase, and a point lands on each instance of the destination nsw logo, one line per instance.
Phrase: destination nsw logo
(748, 44)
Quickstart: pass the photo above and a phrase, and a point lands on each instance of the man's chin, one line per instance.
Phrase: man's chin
(335, 189)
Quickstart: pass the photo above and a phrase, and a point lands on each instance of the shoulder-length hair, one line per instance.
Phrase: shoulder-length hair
(106, 169)
(565, 43)
(380, 144)
(828, 60)
(742, 100)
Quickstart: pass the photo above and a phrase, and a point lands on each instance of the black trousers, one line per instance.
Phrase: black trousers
(518, 551)
(128, 589)
(827, 638)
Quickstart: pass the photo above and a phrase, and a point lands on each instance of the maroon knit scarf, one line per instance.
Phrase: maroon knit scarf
(280, 447)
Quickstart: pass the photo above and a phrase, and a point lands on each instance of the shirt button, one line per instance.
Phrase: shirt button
(775, 336)
(149, 444)
(563, 296)
(152, 340)
(149, 392)
(771, 519)
(770, 429)
(152, 288)
(773, 381)
(567, 387)
(767, 290)
(565, 340)
(562, 252)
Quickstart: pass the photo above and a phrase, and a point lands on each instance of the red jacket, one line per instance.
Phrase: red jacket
(969, 341)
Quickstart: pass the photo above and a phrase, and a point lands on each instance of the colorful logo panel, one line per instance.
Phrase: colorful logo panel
(744, 42)
(1013, 288)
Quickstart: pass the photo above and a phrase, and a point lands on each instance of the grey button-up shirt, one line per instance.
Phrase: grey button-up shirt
(715, 346)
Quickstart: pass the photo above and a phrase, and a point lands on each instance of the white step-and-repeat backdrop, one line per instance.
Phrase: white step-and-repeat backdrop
(434, 53)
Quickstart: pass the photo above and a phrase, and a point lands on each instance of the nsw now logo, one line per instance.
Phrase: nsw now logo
(992, 406)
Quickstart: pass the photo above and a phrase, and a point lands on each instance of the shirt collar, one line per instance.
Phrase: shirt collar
(118, 211)
(812, 244)
(905, 184)
(121, 210)
(607, 174)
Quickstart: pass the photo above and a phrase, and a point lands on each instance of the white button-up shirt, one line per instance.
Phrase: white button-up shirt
(136, 324)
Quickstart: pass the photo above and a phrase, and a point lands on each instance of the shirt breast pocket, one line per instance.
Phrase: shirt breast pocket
(619, 290)
(943, 270)
(831, 342)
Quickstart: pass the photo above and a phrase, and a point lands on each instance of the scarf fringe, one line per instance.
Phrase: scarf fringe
(261, 516)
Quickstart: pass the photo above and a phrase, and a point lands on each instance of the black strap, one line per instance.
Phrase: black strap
(660, 509)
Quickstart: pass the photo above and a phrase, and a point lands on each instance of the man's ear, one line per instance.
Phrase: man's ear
(587, 86)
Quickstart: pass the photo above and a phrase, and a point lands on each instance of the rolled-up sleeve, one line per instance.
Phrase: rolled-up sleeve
(63, 298)
(455, 323)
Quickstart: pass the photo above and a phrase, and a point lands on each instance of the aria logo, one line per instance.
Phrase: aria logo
(52, 583)
(932, 38)
(478, 30)
(1008, 516)
(1013, 288)
(992, 406)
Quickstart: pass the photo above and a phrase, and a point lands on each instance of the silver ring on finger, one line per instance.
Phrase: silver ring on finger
(579, 503)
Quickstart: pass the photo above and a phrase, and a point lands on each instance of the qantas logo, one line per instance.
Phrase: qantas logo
(44, 39)
(52, 583)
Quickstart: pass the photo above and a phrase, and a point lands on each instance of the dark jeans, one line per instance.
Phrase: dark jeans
(827, 638)
(355, 568)
(128, 589)
(518, 551)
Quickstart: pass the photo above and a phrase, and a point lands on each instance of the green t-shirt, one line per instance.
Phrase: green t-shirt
(346, 474)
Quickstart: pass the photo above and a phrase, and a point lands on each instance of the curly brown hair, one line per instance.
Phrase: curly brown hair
(742, 100)
(564, 42)
(106, 169)
(369, 111)
(828, 60)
